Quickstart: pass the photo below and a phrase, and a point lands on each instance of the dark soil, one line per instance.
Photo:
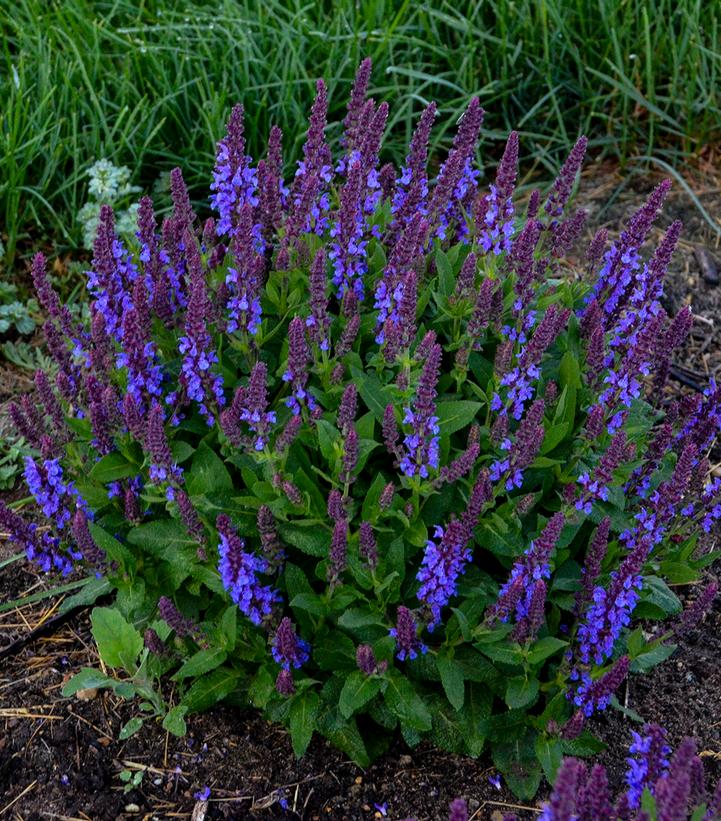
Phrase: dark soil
(61, 758)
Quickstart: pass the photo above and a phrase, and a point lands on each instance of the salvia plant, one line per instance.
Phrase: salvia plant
(659, 786)
(375, 450)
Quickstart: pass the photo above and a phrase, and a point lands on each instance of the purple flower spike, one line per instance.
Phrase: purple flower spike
(412, 185)
(56, 496)
(196, 345)
(234, 180)
(337, 556)
(240, 571)
(318, 322)
(443, 562)
(516, 596)
(243, 279)
(421, 442)
(495, 229)
(288, 649)
(85, 542)
(356, 104)
(596, 695)
(272, 192)
(368, 547)
(154, 643)
(648, 762)
(366, 660)
(284, 683)
(296, 373)
(563, 185)
(170, 614)
(162, 467)
(408, 645)
(562, 806)
(309, 200)
(456, 177)
(50, 404)
(348, 249)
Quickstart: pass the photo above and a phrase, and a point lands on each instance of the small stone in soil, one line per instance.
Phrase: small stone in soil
(707, 265)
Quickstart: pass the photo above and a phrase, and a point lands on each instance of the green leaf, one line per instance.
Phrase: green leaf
(402, 698)
(303, 713)
(115, 551)
(181, 451)
(521, 691)
(357, 691)
(119, 643)
(544, 648)
(657, 596)
(130, 728)
(164, 538)
(112, 467)
(375, 396)
(678, 572)
(516, 759)
(343, 733)
(310, 536)
(554, 436)
(89, 594)
(372, 495)
(229, 627)
(356, 618)
(91, 679)
(310, 602)
(174, 721)
(502, 654)
(208, 473)
(549, 752)
(453, 416)
(210, 689)
(452, 680)
(201, 662)
(261, 688)
(646, 661)
(475, 714)
(446, 279)
(328, 435)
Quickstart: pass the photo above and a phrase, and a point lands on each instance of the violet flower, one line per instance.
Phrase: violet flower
(496, 229)
(648, 762)
(56, 496)
(288, 649)
(240, 570)
(296, 373)
(235, 182)
(412, 185)
(348, 249)
(408, 645)
(318, 322)
(244, 278)
(516, 595)
(196, 344)
(162, 466)
(421, 442)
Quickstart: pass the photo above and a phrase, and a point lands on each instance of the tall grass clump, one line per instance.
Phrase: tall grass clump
(374, 449)
(147, 85)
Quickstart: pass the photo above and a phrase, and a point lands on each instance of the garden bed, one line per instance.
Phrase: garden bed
(62, 757)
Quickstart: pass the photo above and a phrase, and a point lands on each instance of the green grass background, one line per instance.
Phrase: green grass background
(149, 84)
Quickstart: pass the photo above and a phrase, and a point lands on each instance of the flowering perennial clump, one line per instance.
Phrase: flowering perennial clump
(372, 449)
(660, 787)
